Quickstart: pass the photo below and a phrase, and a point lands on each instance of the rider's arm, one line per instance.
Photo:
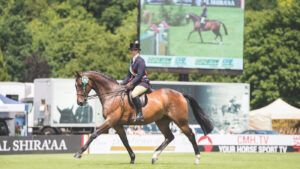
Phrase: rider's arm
(140, 72)
(126, 79)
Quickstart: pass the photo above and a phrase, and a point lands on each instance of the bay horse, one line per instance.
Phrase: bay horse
(163, 107)
(212, 25)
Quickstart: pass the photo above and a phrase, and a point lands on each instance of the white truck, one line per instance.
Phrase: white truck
(56, 110)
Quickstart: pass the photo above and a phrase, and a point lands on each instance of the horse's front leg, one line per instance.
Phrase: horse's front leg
(104, 127)
(200, 34)
(122, 134)
(190, 34)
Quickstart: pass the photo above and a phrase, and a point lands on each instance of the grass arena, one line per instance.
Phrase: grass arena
(166, 160)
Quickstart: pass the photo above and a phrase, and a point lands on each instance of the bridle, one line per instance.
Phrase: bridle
(85, 83)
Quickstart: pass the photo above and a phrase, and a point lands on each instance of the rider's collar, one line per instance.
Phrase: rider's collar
(133, 59)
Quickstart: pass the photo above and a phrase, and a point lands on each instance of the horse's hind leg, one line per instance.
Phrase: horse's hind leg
(218, 34)
(191, 136)
(121, 132)
(163, 125)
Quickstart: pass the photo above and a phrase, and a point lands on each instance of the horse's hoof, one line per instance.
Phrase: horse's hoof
(131, 162)
(197, 161)
(153, 160)
(77, 155)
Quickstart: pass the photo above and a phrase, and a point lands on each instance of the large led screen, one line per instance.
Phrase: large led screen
(192, 34)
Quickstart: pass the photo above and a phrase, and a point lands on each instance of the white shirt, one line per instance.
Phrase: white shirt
(133, 59)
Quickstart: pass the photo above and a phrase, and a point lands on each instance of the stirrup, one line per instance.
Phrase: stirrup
(139, 118)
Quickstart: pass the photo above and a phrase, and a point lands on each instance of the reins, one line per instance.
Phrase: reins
(116, 92)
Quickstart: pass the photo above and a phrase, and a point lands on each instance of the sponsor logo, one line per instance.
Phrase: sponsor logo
(208, 146)
(34, 145)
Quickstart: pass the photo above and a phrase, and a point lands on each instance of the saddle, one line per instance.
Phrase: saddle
(143, 97)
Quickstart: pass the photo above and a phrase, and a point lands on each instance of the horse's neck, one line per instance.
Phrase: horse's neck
(194, 18)
(103, 88)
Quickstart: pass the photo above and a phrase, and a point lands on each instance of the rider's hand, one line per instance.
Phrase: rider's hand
(129, 86)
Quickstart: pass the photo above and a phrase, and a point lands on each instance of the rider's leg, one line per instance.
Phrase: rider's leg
(137, 91)
(202, 23)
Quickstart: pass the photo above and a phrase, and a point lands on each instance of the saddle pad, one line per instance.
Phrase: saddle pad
(143, 98)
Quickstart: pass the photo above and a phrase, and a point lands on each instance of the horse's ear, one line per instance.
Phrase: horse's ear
(58, 109)
(77, 74)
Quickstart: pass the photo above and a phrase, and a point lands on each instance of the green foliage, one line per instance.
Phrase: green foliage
(174, 16)
(58, 37)
(259, 5)
(272, 62)
(3, 70)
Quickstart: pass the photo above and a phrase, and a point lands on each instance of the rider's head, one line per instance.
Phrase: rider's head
(134, 48)
(203, 4)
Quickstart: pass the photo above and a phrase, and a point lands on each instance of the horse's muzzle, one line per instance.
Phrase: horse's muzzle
(81, 102)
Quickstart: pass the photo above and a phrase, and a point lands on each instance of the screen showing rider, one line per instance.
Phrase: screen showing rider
(136, 78)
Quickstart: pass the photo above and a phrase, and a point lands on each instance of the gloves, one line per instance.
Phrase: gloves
(129, 86)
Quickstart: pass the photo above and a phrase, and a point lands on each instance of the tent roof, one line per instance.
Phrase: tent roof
(278, 110)
(262, 118)
(9, 105)
(5, 100)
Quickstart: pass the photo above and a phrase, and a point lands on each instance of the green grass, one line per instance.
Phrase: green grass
(167, 161)
(232, 45)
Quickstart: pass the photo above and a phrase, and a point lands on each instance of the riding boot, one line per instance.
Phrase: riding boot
(138, 108)
(202, 26)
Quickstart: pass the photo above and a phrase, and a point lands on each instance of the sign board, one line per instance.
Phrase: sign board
(40, 144)
(211, 143)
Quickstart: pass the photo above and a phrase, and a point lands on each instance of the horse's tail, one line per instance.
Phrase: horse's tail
(200, 116)
(225, 29)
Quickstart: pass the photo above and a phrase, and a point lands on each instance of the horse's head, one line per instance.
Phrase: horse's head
(83, 86)
(187, 18)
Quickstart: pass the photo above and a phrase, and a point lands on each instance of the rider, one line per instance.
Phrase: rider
(136, 78)
(203, 15)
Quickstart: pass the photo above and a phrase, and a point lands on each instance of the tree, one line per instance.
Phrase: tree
(272, 62)
(35, 67)
(3, 70)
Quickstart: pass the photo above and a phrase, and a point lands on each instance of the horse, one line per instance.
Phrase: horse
(163, 107)
(213, 25)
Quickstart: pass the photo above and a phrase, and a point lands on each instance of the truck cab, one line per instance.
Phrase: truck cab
(4, 131)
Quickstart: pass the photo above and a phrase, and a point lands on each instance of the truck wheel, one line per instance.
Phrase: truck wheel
(49, 131)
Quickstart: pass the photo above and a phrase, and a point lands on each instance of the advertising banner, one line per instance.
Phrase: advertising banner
(211, 143)
(40, 144)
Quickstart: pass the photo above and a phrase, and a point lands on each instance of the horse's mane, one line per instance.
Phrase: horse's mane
(108, 77)
(194, 15)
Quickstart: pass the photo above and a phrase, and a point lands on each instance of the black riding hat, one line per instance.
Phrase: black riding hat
(134, 46)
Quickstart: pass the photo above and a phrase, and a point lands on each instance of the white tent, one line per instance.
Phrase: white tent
(262, 118)
(8, 110)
